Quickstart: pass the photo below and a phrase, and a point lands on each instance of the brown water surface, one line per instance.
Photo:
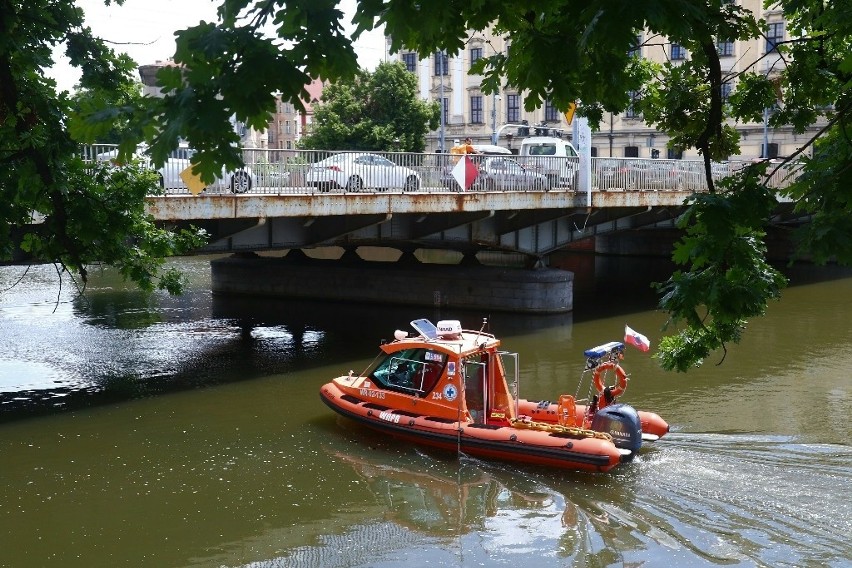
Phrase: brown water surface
(151, 431)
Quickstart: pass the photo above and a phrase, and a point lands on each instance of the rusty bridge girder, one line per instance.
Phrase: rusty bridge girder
(535, 223)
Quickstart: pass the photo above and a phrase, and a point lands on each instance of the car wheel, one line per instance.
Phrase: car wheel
(355, 183)
(240, 182)
(411, 184)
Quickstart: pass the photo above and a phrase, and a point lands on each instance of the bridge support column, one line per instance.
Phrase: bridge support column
(545, 290)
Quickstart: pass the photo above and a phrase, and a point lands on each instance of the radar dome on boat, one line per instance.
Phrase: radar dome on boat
(399, 334)
(449, 329)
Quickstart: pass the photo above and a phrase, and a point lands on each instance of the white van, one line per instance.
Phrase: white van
(554, 157)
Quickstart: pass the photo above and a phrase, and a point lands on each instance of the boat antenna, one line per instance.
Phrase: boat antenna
(364, 372)
(482, 329)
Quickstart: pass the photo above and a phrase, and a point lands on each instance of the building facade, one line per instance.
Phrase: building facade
(288, 124)
(467, 111)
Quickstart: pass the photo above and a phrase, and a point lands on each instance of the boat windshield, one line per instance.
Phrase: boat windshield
(412, 371)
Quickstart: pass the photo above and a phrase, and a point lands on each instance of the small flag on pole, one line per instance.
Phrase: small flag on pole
(636, 339)
(465, 172)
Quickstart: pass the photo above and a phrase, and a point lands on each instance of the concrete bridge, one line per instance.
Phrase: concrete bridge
(286, 200)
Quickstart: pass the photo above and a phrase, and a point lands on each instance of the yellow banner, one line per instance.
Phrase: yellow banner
(192, 181)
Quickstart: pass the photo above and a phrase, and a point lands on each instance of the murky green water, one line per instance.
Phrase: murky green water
(111, 453)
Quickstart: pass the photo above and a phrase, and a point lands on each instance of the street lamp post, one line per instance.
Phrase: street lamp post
(764, 153)
(440, 56)
(494, 118)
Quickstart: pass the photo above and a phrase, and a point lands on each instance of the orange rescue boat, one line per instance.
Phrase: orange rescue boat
(449, 388)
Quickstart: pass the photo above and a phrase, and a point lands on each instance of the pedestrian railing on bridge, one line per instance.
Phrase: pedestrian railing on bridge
(283, 172)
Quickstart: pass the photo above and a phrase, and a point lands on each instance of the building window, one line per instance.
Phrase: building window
(289, 144)
(632, 110)
(773, 151)
(631, 151)
(551, 114)
(774, 36)
(476, 109)
(594, 151)
(678, 52)
(287, 127)
(475, 54)
(410, 60)
(513, 108)
(726, 91)
(725, 48)
(441, 63)
(636, 50)
(673, 154)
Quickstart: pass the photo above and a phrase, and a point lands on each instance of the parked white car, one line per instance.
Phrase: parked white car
(356, 171)
(239, 181)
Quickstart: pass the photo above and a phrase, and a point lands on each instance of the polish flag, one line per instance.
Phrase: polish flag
(636, 339)
(465, 172)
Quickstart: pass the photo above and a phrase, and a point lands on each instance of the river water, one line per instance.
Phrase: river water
(173, 432)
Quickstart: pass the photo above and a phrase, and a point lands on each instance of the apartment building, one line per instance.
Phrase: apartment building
(288, 124)
(467, 111)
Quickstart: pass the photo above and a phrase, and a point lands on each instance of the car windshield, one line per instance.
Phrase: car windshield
(513, 166)
(380, 161)
(183, 153)
(543, 150)
(336, 158)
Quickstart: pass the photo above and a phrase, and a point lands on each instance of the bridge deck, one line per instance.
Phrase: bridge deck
(298, 199)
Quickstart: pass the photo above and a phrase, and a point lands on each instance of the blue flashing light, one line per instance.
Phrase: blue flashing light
(603, 350)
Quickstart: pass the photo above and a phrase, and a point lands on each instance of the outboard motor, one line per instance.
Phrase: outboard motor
(621, 421)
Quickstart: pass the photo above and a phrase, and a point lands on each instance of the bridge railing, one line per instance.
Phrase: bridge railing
(282, 172)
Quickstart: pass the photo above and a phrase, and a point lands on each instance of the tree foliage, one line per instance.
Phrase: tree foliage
(561, 51)
(376, 111)
(53, 206)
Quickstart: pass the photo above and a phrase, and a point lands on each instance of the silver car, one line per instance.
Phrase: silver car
(506, 174)
(357, 171)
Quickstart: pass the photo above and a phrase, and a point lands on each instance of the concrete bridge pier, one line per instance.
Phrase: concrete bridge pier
(406, 282)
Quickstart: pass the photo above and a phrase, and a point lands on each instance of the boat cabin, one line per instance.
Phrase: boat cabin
(445, 372)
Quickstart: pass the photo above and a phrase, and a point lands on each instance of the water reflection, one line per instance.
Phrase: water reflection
(450, 511)
(115, 344)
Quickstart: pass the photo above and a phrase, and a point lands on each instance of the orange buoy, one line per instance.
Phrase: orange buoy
(621, 376)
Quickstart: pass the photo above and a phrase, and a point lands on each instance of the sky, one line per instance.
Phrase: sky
(144, 29)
